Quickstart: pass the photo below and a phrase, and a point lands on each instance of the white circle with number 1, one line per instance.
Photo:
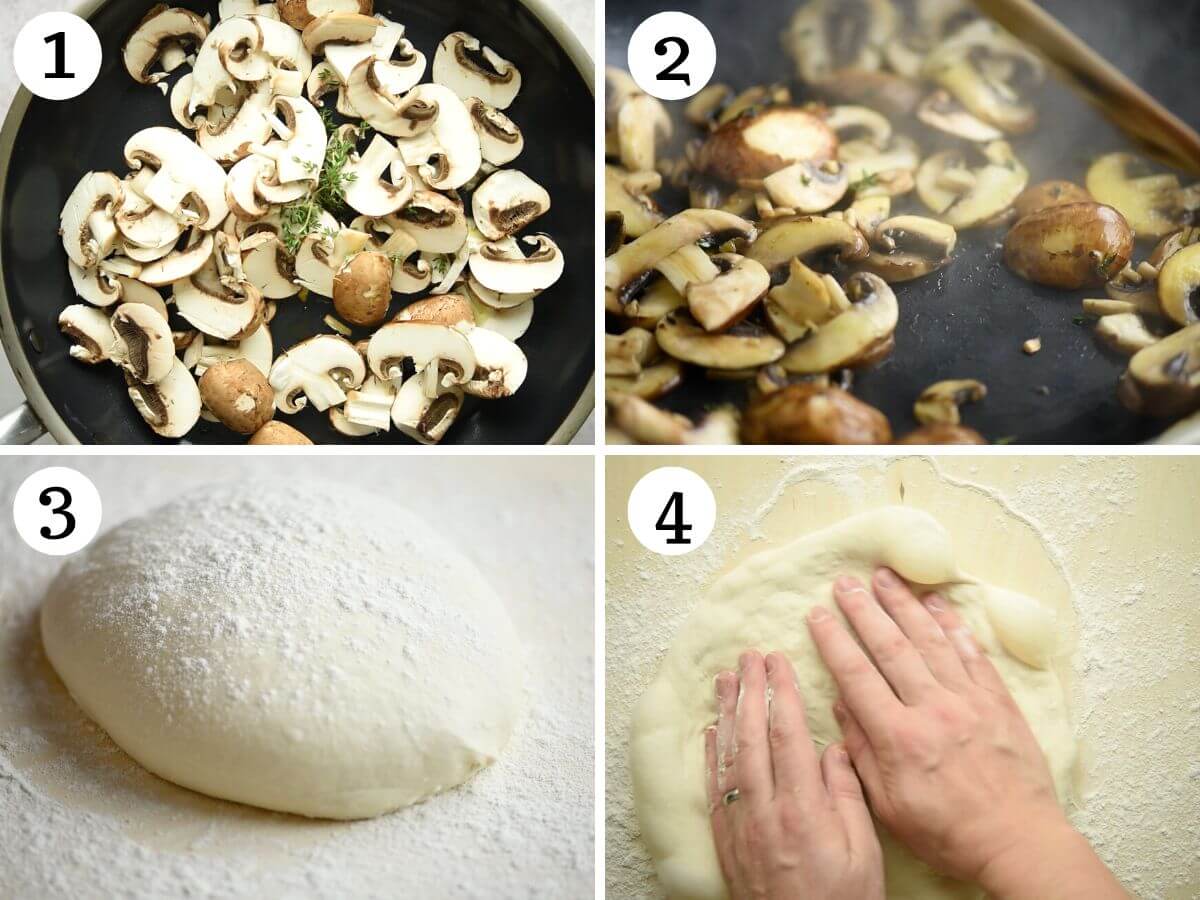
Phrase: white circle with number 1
(672, 56)
(672, 510)
(57, 56)
(57, 511)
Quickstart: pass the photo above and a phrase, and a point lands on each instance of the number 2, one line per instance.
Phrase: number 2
(669, 73)
(59, 40)
(69, 519)
(677, 526)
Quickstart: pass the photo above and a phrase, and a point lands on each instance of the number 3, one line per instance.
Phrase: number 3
(669, 73)
(69, 527)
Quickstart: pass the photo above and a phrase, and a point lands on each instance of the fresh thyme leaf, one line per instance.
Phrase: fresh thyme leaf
(870, 179)
(303, 217)
(439, 267)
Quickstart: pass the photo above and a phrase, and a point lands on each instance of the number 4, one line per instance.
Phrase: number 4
(678, 526)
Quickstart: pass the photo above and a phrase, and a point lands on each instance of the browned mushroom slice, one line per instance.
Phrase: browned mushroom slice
(1179, 286)
(942, 434)
(726, 299)
(891, 94)
(908, 247)
(1151, 203)
(857, 337)
(808, 187)
(703, 108)
(627, 353)
(803, 302)
(1164, 379)
(1172, 244)
(744, 346)
(967, 197)
(626, 271)
(754, 146)
(659, 298)
(645, 423)
(1126, 333)
(825, 36)
(811, 239)
(813, 414)
(650, 383)
(941, 111)
(1139, 292)
(628, 194)
(939, 403)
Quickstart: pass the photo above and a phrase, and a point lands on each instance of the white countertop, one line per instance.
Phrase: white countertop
(579, 15)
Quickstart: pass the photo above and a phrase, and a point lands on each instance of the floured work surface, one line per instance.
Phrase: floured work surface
(1114, 533)
(79, 818)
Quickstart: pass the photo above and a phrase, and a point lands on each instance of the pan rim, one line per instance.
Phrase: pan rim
(37, 399)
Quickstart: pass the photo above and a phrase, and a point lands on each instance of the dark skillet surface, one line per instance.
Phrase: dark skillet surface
(58, 142)
(970, 319)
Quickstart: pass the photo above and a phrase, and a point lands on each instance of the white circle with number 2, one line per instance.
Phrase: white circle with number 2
(672, 56)
(57, 56)
(671, 511)
(57, 511)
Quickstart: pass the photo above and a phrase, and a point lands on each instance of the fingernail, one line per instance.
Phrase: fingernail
(745, 660)
(886, 578)
(818, 614)
(964, 642)
(934, 603)
(839, 711)
(770, 663)
(839, 751)
(846, 583)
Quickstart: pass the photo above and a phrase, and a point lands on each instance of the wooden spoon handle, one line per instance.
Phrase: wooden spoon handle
(1159, 131)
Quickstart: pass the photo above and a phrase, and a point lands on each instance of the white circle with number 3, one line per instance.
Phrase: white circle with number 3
(57, 56)
(671, 511)
(57, 511)
(672, 56)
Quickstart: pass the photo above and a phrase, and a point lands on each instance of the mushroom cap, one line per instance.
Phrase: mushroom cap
(500, 140)
(469, 69)
(1179, 286)
(161, 25)
(171, 407)
(506, 202)
(813, 414)
(275, 432)
(500, 365)
(89, 330)
(141, 342)
(238, 394)
(88, 219)
(362, 290)
(757, 146)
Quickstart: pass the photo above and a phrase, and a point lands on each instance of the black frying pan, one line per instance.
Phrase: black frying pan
(970, 319)
(47, 146)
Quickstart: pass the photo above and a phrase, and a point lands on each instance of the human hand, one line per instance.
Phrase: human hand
(793, 826)
(948, 762)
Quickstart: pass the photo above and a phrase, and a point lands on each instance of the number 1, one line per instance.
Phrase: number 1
(677, 526)
(59, 40)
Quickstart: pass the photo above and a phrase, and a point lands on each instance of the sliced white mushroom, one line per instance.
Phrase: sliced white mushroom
(88, 224)
(257, 348)
(435, 222)
(440, 352)
(399, 115)
(163, 29)
(506, 202)
(387, 43)
(318, 371)
(171, 407)
(423, 418)
(269, 267)
(472, 70)
(301, 13)
(448, 155)
(322, 256)
(94, 285)
(500, 365)
(181, 96)
(142, 344)
(500, 140)
(91, 335)
(180, 263)
(339, 27)
(966, 197)
(217, 310)
(496, 299)
(516, 273)
(133, 291)
(231, 138)
(370, 406)
(187, 182)
(299, 153)
(368, 191)
(241, 188)
(245, 49)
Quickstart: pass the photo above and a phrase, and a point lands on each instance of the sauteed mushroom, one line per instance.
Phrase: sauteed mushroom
(1164, 378)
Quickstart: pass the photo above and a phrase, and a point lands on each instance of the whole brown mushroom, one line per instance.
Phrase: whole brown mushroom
(1070, 247)
(812, 413)
(277, 433)
(362, 290)
(238, 394)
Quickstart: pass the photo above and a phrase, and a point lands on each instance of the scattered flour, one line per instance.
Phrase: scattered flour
(79, 818)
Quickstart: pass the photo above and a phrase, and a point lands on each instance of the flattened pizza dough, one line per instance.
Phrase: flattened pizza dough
(762, 604)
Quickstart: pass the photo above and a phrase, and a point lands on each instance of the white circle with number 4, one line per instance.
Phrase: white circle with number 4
(57, 56)
(672, 56)
(671, 511)
(57, 511)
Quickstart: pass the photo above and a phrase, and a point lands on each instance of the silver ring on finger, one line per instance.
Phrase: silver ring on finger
(731, 796)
